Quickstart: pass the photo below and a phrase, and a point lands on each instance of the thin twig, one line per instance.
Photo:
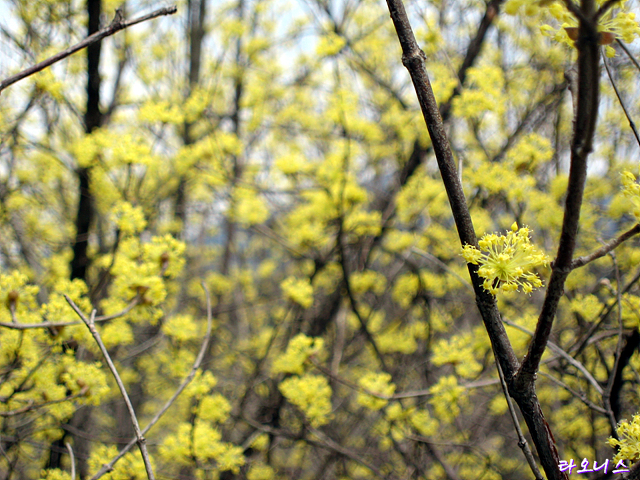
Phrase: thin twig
(140, 440)
(522, 442)
(563, 354)
(577, 348)
(580, 396)
(116, 25)
(448, 469)
(267, 232)
(624, 108)
(606, 396)
(319, 439)
(32, 406)
(626, 50)
(473, 51)
(196, 365)
(98, 319)
(441, 264)
(347, 383)
(72, 459)
(606, 248)
(352, 300)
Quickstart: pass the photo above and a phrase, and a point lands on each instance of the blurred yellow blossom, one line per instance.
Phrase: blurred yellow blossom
(312, 394)
(298, 290)
(632, 192)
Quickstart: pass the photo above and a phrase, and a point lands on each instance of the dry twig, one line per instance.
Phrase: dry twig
(118, 23)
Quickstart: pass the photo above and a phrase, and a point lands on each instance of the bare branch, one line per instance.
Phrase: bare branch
(581, 146)
(442, 265)
(624, 108)
(580, 396)
(473, 50)
(604, 312)
(116, 25)
(352, 300)
(72, 459)
(31, 406)
(414, 60)
(606, 248)
(196, 365)
(102, 318)
(140, 440)
(626, 50)
(555, 348)
(522, 442)
(319, 439)
(606, 395)
(524, 392)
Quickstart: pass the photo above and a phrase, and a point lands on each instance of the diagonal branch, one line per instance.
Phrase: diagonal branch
(523, 392)
(140, 440)
(414, 60)
(606, 396)
(473, 50)
(581, 146)
(606, 248)
(192, 373)
(118, 23)
(620, 101)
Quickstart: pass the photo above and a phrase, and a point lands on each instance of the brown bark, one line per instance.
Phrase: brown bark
(521, 380)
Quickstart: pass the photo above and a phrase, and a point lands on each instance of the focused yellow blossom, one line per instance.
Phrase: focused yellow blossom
(506, 261)
(629, 442)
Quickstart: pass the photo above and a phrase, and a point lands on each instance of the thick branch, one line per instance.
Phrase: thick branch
(414, 59)
(581, 146)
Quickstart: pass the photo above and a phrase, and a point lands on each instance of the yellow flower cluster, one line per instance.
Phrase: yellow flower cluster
(629, 443)
(129, 218)
(379, 383)
(312, 394)
(298, 290)
(447, 398)
(300, 348)
(17, 294)
(130, 466)
(260, 471)
(506, 262)
(459, 351)
(622, 24)
(204, 442)
(632, 192)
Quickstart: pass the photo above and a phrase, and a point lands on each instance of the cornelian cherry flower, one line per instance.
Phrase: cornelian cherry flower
(506, 261)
